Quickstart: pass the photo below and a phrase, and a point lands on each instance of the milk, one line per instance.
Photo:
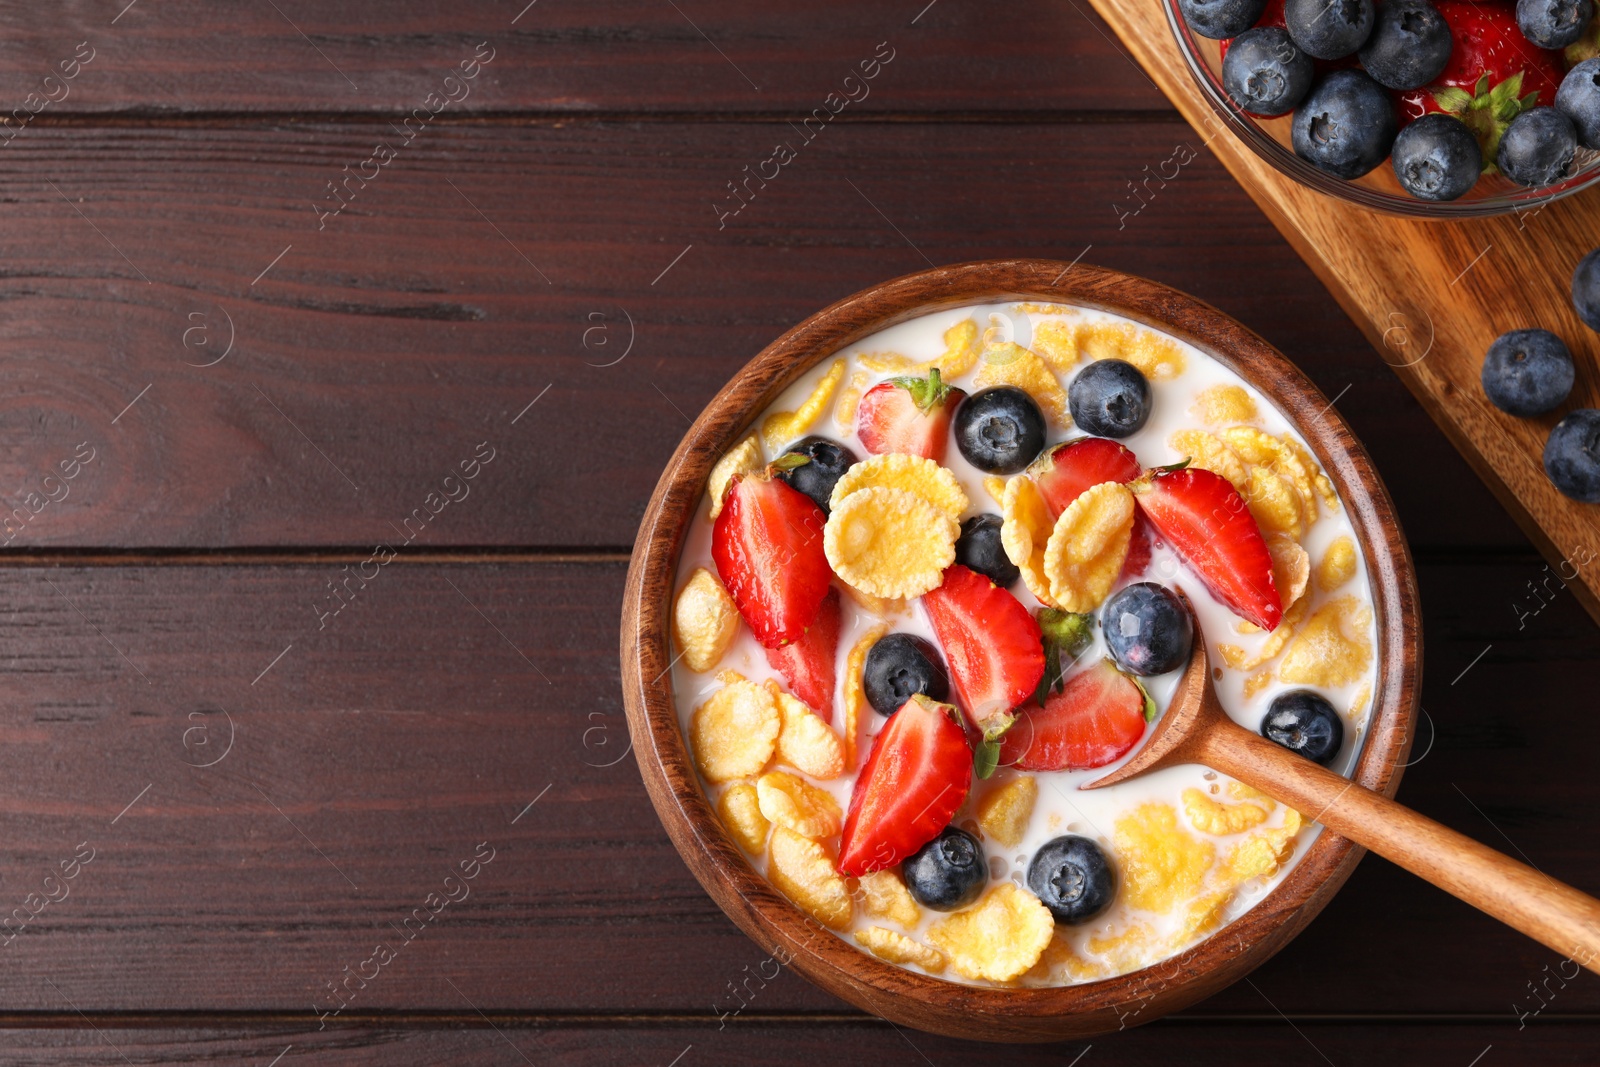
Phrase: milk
(1062, 807)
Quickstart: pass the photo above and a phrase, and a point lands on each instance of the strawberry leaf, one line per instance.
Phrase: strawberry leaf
(985, 758)
(1452, 101)
(1149, 701)
(1066, 634)
(927, 392)
(789, 461)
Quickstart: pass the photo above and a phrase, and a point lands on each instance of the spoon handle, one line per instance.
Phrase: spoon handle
(1551, 912)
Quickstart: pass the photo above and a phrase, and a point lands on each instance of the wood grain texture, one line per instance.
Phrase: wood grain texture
(707, 56)
(1431, 297)
(385, 347)
(796, 1042)
(777, 924)
(410, 730)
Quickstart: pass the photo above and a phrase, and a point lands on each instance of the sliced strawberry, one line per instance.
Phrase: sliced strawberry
(992, 643)
(808, 663)
(1065, 471)
(910, 415)
(916, 777)
(1096, 718)
(1494, 74)
(1205, 520)
(1138, 551)
(767, 544)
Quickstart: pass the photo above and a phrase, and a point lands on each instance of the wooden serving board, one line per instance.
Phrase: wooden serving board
(1431, 297)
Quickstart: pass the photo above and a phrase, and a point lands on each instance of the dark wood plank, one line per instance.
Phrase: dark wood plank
(486, 265)
(768, 1043)
(386, 746)
(599, 55)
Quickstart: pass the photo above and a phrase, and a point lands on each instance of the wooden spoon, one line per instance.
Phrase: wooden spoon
(1196, 729)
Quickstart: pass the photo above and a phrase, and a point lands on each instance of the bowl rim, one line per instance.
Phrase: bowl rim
(1285, 162)
(779, 926)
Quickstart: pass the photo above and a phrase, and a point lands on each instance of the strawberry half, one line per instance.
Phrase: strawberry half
(1096, 718)
(918, 774)
(1138, 551)
(1066, 470)
(808, 664)
(767, 544)
(1205, 520)
(1494, 74)
(910, 415)
(992, 644)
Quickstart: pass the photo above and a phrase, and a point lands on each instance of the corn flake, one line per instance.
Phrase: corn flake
(1025, 532)
(1291, 568)
(1214, 817)
(1253, 445)
(742, 458)
(704, 620)
(960, 350)
(1008, 363)
(885, 896)
(886, 362)
(995, 486)
(844, 412)
(1158, 357)
(1003, 813)
(733, 734)
(1239, 660)
(799, 805)
(1124, 951)
(999, 938)
(1207, 451)
(1333, 648)
(1296, 464)
(880, 606)
(1275, 503)
(1263, 852)
(1223, 404)
(898, 470)
(1304, 459)
(1088, 546)
(1202, 916)
(741, 814)
(890, 542)
(1338, 564)
(1163, 864)
(802, 870)
(805, 742)
(1056, 342)
(782, 427)
(855, 697)
(898, 948)
(1358, 703)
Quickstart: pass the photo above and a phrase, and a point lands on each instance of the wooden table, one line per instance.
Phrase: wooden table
(327, 606)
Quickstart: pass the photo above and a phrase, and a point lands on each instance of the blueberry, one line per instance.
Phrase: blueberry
(1073, 878)
(1537, 147)
(1527, 372)
(1579, 100)
(898, 667)
(1586, 289)
(1109, 398)
(1305, 724)
(1147, 628)
(827, 462)
(1553, 23)
(947, 872)
(999, 430)
(1221, 18)
(1329, 29)
(1264, 72)
(1437, 158)
(1572, 455)
(1346, 125)
(1410, 45)
(979, 549)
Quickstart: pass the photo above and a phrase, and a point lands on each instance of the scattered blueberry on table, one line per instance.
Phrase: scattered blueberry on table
(1528, 372)
(1572, 456)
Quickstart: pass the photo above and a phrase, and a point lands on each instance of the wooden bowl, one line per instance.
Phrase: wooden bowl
(793, 938)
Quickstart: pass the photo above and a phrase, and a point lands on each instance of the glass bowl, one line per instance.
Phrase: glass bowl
(1269, 139)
